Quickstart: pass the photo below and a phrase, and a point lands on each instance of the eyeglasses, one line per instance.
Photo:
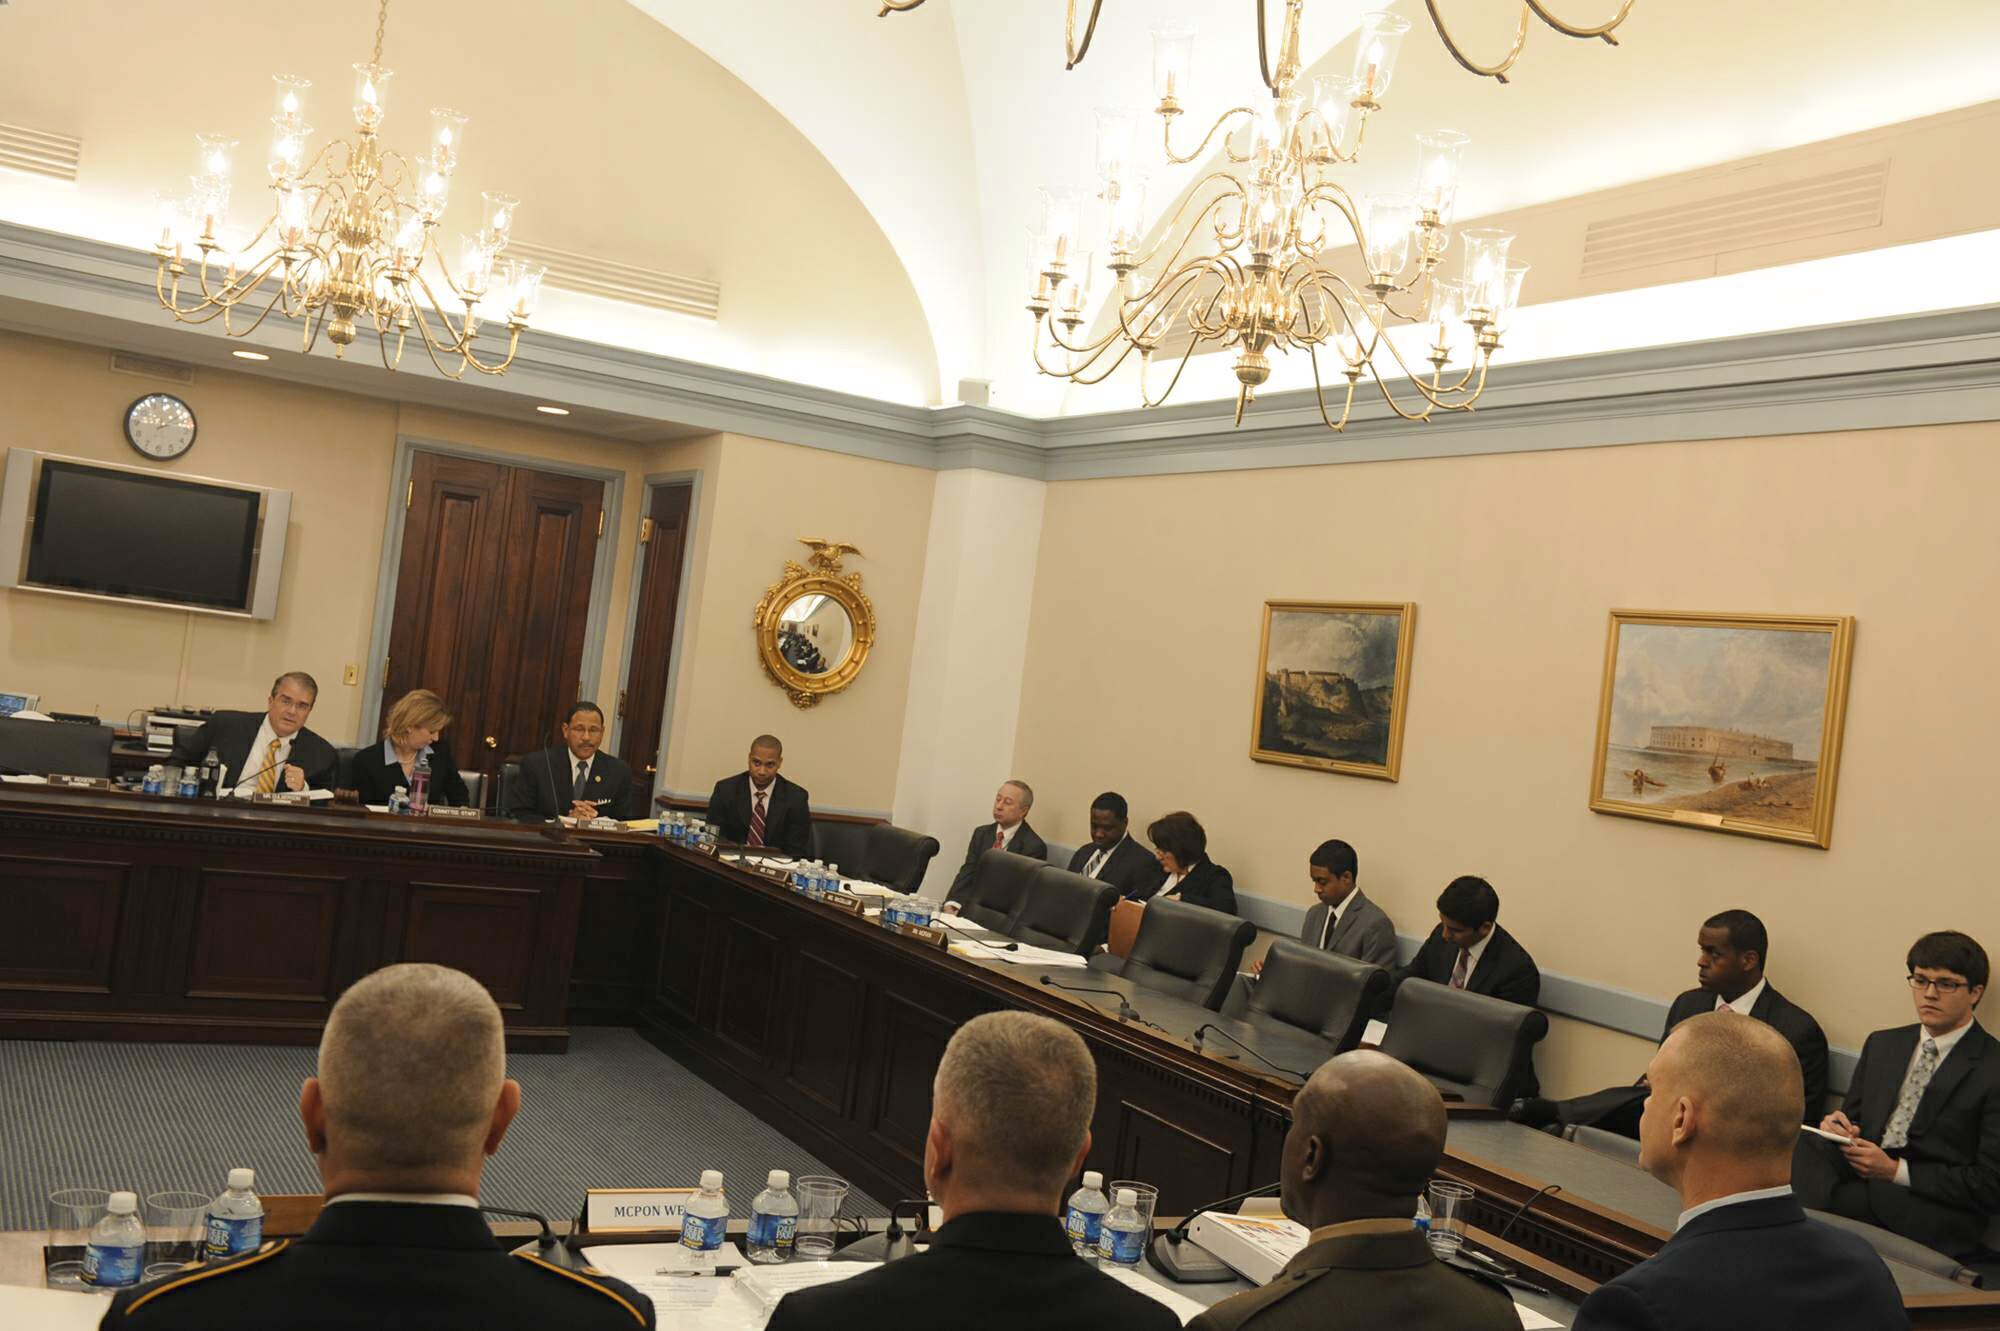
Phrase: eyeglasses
(1945, 987)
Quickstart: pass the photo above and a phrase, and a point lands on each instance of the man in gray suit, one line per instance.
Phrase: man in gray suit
(1345, 920)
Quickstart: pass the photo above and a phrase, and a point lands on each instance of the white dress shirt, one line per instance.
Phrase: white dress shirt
(1733, 1199)
(1472, 956)
(1945, 1043)
(1007, 835)
(1333, 914)
(254, 762)
(408, 1198)
(1744, 1001)
(1098, 859)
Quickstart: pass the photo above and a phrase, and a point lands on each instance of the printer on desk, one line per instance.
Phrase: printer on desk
(166, 724)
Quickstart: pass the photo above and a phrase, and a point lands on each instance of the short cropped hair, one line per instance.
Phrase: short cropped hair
(1337, 858)
(410, 1067)
(1180, 836)
(1746, 933)
(1112, 803)
(578, 707)
(419, 708)
(1018, 1091)
(771, 742)
(1950, 950)
(1747, 1077)
(1027, 791)
(1469, 901)
(298, 677)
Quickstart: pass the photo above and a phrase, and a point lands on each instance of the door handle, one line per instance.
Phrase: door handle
(490, 743)
(650, 769)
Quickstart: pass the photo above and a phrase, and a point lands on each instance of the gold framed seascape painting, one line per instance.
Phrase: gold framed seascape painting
(1332, 681)
(1726, 722)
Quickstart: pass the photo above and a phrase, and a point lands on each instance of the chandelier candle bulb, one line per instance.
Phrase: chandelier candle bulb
(371, 94)
(1116, 135)
(291, 98)
(1173, 58)
(288, 147)
(1375, 50)
(499, 224)
(447, 134)
(1485, 272)
(524, 283)
(475, 262)
(1387, 220)
(1438, 155)
(1333, 98)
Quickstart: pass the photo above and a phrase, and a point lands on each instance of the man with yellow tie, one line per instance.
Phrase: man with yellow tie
(266, 751)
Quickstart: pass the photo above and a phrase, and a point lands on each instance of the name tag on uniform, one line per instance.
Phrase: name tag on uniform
(635, 1210)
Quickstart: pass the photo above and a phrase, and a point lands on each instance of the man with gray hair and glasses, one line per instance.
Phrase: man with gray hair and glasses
(412, 1096)
(1010, 1127)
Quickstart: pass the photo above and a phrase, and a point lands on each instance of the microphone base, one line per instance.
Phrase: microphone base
(1187, 1263)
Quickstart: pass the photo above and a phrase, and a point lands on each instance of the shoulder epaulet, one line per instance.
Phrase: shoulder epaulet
(270, 1249)
(585, 1279)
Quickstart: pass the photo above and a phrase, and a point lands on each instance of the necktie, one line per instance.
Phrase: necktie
(582, 775)
(1096, 863)
(1897, 1134)
(1462, 971)
(757, 819)
(267, 780)
(999, 838)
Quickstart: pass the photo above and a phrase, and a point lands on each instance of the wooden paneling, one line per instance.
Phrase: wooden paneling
(59, 921)
(683, 951)
(828, 1007)
(265, 935)
(1151, 1146)
(750, 975)
(487, 932)
(645, 698)
(913, 1040)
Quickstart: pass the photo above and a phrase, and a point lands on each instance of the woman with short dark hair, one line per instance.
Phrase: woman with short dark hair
(1181, 847)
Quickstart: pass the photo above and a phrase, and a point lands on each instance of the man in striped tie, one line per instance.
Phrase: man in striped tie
(266, 751)
(760, 809)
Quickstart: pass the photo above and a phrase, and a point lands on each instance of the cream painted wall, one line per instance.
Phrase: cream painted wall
(1142, 659)
(760, 498)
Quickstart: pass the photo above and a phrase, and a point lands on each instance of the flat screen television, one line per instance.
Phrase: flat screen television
(154, 538)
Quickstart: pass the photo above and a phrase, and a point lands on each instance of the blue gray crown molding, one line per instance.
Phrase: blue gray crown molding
(1925, 369)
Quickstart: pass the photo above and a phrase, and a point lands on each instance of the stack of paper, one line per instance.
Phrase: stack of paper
(1180, 1305)
(1255, 1247)
(768, 1284)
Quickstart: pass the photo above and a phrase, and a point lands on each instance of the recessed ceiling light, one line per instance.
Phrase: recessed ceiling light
(547, 410)
(249, 355)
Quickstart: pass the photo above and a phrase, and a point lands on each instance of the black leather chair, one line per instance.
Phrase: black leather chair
(843, 845)
(1614, 1144)
(998, 888)
(897, 857)
(1894, 1247)
(1190, 952)
(1320, 993)
(1471, 1046)
(503, 789)
(55, 748)
(343, 768)
(1064, 911)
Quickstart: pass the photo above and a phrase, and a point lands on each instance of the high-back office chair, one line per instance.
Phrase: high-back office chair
(503, 789)
(999, 885)
(1470, 1045)
(843, 845)
(55, 748)
(1064, 911)
(1320, 993)
(897, 857)
(1190, 952)
(343, 767)
(1614, 1144)
(1892, 1247)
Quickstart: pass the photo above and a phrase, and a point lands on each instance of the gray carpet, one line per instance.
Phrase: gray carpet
(614, 1111)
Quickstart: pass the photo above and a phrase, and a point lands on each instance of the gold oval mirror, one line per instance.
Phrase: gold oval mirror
(814, 625)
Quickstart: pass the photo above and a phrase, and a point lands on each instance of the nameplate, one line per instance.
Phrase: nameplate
(288, 797)
(1698, 817)
(844, 901)
(923, 933)
(451, 811)
(774, 873)
(635, 1210)
(81, 782)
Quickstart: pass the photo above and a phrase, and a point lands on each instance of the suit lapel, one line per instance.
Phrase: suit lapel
(235, 750)
(1888, 1081)
(1481, 979)
(1956, 1067)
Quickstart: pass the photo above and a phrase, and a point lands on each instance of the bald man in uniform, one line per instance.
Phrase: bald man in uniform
(412, 1096)
(1724, 1098)
(1367, 1133)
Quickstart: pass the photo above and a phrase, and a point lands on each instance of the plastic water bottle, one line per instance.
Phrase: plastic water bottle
(1087, 1206)
(1422, 1221)
(211, 774)
(156, 781)
(117, 1245)
(774, 1220)
(1122, 1237)
(236, 1217)
(420, 786)
(706, 1221)
(190, 783)
(399, 800)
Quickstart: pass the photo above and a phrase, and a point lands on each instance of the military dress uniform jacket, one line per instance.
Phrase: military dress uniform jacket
(1364, 1279)
(386, 1266)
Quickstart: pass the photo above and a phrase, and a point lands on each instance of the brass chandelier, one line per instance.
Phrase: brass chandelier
(1245, 262)
(352, 238)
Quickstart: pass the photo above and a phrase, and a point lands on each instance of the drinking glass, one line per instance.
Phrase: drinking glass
(1449, 1204)
(820, 1199)
(1146, 1199)
(176, 1229)
(73, 1213)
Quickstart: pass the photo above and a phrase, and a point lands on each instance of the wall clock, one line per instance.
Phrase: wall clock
(160, 425)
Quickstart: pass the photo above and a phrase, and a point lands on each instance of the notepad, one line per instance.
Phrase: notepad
(1180, 1305)
(768, 1284)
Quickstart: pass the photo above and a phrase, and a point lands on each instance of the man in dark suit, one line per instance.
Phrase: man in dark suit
(1009, 830)
(1010, 1127)
(1367, 1132)
(1344, 920)
(1730, 967)
(1720, 1119)
(412, 1096)
(757, 807)
(265, 751)
(1922, 1113)
(574, 778)
(1469, 949)
(1114, 857)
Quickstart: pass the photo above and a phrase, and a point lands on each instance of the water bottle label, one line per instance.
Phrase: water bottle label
(1121, 1245)
(703, 1232)
(228, 1236)
(1085, 1227)
(773, 1231)
(152, 786)
(111, 1266)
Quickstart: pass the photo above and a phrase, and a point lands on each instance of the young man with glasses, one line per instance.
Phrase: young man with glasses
(1922, 1114)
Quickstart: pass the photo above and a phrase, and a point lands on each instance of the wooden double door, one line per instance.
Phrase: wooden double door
(493, 600)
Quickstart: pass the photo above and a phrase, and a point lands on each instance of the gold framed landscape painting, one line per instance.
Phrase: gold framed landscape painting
(1726, 722)
(1332, 681)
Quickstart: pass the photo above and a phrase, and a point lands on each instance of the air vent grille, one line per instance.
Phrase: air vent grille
(39, 152)
(1824, 205)
(623, 281)
(151, 367)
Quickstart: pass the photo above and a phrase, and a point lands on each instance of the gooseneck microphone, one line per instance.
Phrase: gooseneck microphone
(974, 938)
(1126, 1012)
(1207, 1027)
(1191, 1264)
(547, 1238)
